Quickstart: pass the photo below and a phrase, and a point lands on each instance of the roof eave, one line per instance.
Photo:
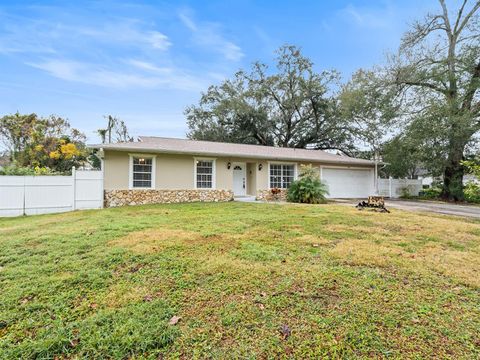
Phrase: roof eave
(208, 153)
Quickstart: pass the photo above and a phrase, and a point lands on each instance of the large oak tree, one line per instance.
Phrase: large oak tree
(292, 106)
(437, 72)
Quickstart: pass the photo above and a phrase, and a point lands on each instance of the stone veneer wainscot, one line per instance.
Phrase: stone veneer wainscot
(267, 195)
(115, 198)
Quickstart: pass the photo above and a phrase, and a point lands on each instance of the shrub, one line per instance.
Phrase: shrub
(13, 169)
(431, 193)
(308, 188)
(16, 170)
(472, 192)
(408, 192)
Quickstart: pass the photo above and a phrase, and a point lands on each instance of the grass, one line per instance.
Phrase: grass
(342, 283)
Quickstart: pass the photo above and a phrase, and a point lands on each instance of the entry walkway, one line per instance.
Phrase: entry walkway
(247, 198)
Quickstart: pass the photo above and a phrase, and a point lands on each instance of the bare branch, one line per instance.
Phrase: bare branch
(421, 84)
(445, 17)
(459, 16)
(468, 16)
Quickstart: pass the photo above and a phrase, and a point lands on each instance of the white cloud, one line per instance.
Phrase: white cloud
(187, 21)
(41, 36)
(374, 18)
(209, 35)
(159, 40)
(110, 51)
(94, 74)
(144, 65)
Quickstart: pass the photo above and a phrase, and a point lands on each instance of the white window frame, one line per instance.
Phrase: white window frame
(295, 172)
(214, 172)
(130, 170)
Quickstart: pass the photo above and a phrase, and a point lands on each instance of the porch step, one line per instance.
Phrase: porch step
(244, 198)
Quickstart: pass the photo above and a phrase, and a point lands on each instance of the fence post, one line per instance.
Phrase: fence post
(74, 185)
(390, 187)
(24, 195)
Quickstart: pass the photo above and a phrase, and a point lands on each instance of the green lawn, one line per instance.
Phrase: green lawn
(341, 283)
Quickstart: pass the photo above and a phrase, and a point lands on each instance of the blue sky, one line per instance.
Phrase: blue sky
(145, 61)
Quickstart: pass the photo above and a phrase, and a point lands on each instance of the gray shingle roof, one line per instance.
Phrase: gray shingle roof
(152, 144)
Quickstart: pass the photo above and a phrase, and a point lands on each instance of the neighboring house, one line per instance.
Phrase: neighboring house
(157, 169)
(467, 178)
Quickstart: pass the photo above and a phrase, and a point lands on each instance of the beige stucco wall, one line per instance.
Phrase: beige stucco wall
(224, 176)
(176, 172)
(115, 166)
(251, 179)
(172, 172)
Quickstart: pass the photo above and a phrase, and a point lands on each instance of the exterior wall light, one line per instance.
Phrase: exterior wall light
(260, 167)
(229, 165)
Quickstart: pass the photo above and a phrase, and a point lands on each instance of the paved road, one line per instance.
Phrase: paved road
(430, 206)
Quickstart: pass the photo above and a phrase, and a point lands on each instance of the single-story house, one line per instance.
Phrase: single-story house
(158, 169)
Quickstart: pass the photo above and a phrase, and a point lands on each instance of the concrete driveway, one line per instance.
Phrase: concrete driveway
(428, 206)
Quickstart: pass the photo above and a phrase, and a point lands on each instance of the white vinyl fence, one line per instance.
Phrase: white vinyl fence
(30, 195)
(395, 188)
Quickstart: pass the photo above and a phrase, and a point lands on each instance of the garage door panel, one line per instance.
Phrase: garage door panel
(348, 183)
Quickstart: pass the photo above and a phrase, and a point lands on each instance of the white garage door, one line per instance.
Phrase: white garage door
(348, 183)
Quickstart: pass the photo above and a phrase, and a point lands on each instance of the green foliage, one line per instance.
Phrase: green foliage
(402, 156)
(308, 188)
(431, 193)
(13, 169)
(405, 192)
(472, 192)
(366, 101)
(94, 160)
(472, 167)
(289, 107)
(36, 142)
(472, 188)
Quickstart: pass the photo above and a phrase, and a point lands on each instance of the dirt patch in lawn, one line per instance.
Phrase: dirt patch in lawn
(461, 265)
(154, 240)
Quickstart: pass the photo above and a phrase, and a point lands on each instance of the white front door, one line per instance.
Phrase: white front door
(239, 179)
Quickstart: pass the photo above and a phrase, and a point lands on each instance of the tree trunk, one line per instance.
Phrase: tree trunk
(453, 176)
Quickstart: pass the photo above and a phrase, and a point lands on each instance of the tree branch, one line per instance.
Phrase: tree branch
(459, 16)
(468, 16)
(421, 84)
(445, 17)
(473, 86)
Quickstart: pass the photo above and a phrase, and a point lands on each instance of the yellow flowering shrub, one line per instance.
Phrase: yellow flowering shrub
(55, 155)
(69, 150)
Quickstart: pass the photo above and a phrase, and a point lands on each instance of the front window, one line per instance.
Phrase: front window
(204, 174)
(142, 172)
(281, 175)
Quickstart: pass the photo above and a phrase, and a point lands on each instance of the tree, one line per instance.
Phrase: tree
(437, 72)
(33, 141)
(366, 101)
(403, 157)
(293, 107)
(116, 130)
